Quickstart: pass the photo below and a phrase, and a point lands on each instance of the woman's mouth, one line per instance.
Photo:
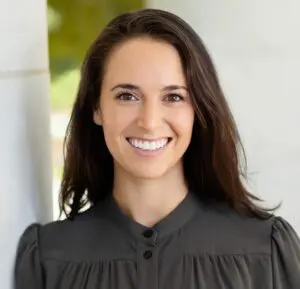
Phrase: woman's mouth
(149, 145)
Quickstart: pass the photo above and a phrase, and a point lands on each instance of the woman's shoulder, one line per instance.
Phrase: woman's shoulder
(85, 238)
(83, 233)
(228, 218)
(242, 233)
(87, 224)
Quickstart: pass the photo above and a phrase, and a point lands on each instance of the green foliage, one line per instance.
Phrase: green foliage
(63, 89)
(80, 21)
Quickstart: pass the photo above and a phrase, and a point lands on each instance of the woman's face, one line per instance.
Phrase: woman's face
(145, 108)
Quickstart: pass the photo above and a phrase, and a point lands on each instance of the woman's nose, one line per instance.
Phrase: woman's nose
(150, 116)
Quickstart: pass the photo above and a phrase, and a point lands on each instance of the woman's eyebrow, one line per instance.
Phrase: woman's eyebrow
(126, 86)
(174, 87)
(135, 87)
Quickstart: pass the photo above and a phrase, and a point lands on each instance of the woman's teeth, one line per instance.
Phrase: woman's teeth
(148, 145)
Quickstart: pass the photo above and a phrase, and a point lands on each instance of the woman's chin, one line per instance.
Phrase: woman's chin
(147, 173)
(148, 170)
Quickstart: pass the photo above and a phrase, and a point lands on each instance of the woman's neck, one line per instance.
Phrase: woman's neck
(149, 201)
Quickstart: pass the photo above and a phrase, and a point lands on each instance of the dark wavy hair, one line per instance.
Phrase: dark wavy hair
(214, 163)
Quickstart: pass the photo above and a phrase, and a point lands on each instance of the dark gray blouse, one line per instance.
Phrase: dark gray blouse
(195, 247)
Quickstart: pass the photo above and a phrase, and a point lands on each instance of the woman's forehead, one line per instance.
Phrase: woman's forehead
(144, 61)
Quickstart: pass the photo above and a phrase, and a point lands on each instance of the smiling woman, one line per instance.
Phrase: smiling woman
(153, 148)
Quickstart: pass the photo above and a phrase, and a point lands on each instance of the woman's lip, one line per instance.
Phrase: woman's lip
(149, 139)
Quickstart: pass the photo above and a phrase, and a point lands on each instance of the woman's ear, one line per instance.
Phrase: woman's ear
(97, 116)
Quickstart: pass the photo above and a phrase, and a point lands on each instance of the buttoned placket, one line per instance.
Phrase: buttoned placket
(147, 260)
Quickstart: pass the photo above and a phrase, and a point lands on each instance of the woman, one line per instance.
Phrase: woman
(153, 149)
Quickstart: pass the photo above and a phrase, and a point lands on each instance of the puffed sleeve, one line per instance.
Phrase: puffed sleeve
(28, 271)
(285, 256)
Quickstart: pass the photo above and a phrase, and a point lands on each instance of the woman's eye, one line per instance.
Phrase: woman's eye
(126, 96)
(174, 98)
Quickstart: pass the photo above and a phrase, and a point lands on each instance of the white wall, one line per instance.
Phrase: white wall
(25, 167)
(255, 45)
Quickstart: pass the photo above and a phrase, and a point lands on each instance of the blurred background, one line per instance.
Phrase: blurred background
(71, 29)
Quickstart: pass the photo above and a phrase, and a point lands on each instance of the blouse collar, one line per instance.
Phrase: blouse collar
(172, 222)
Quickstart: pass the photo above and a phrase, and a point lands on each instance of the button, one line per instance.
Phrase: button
(147, 254)
(148, 233)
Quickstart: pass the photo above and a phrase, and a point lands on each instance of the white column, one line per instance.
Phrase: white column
(25, 166)
(255, 45)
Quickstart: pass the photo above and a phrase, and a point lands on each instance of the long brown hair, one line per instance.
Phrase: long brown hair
(214, 163)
